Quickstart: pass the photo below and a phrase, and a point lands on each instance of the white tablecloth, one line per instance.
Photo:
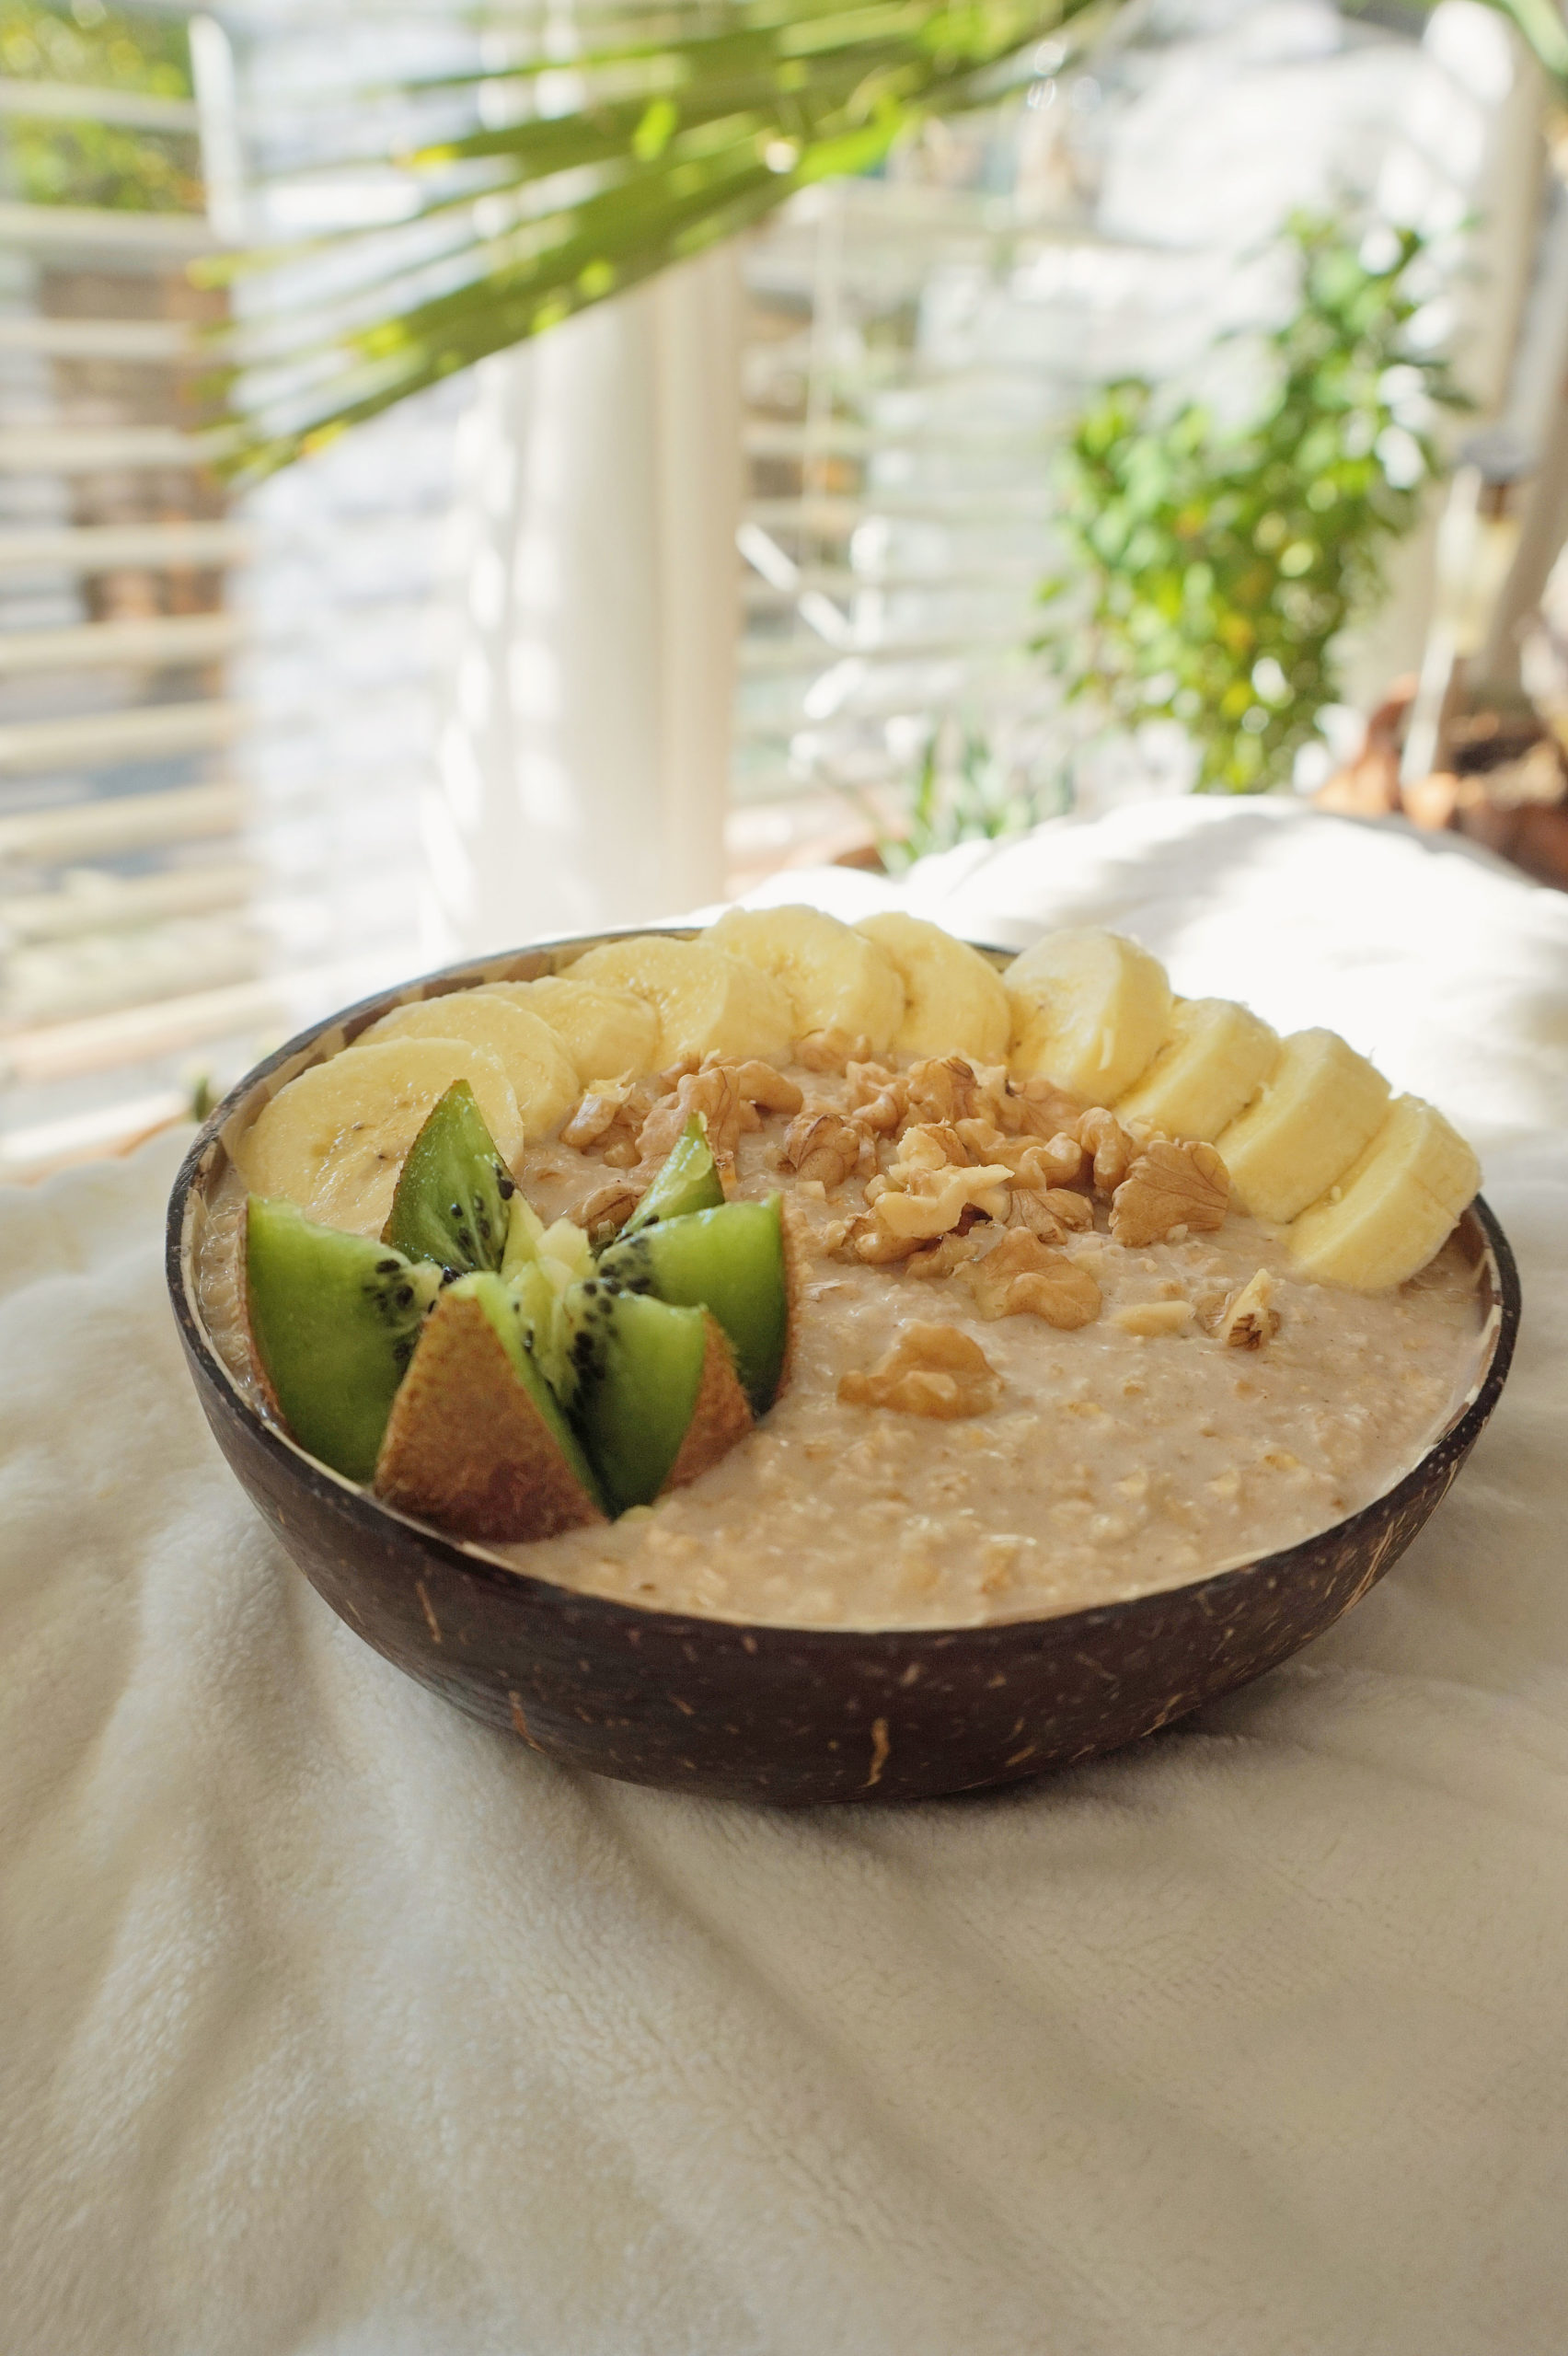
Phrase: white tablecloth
(331, 2021)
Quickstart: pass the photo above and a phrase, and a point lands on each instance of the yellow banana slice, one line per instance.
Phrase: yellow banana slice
(1320, 1105)
(836, 978)
(544, 1078)
(334, 1140)
(954, 1002)
(1393, 1208)
(1215, 1056)
(606, 1032)
(1089, 1010)
(708, 1003)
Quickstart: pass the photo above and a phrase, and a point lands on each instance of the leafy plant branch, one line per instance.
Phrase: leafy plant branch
(1209, 573)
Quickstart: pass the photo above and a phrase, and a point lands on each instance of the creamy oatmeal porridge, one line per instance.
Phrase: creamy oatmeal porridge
(1199, 1417)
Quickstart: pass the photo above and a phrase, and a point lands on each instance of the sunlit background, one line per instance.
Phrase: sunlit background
(796, 553)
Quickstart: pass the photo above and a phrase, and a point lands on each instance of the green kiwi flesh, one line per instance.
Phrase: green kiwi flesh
(729, 1260)
(639, 1371)
(689, 1181)
(334, 1320)
(501, 1305)
(452, 1191)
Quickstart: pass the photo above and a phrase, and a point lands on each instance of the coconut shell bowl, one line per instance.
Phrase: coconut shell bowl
(793, 1716)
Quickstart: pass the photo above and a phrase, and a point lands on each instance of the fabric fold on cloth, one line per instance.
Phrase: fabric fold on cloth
(332, 2024)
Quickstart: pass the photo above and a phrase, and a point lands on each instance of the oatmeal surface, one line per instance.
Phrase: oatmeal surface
(1109, 1463)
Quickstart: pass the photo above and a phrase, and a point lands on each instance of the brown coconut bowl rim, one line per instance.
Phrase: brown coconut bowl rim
(208, 1156)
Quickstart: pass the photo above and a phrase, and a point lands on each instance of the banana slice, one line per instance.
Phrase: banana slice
(606, 1032)
(1393, 1208)
(954, 1002)
(835, 980)
(1216, 1056)
(706, 1002)
(1089, 1012)
(1320, 1105)
(334, 1140)
(544, 1078)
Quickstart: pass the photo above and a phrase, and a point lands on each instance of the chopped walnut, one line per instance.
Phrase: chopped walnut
(931, 1145)
(824, 1146)
(760, 1084)
(926, 1203)
(1043, 1109)
(944, 1088)
(1019, 1276)
(945, 1257)
(878, 1098)
(1032, 1211)
(726, 1115)
(1250, 1320)
(608, 1119)
(606, 1210)
(1101, 1135)
(1169, 1186)
(831, 1050)
(1074, 1210)
(1053, 1162)
(930, 1371)
(875, 1246)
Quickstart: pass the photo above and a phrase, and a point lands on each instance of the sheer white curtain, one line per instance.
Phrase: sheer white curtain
(585, 747)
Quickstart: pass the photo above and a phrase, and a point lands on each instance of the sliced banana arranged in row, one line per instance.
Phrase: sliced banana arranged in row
(706, 1002)
(1216, 1056)
(954, 1001)
(1316, 1109)
(544, 1078)
(605, 1032)
(1304, 1125)
(834, 979)
(335, 1138)
(1091, 1012)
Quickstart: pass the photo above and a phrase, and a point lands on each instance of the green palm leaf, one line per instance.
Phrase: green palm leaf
(683, 127)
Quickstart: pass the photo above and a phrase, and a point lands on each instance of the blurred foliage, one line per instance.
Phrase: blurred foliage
(1221, 565)
(48, 159)
(668, 133)
(965, 791)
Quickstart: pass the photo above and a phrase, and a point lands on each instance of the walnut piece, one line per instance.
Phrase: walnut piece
(832, 1050)
(1040, 1109)
(930, 1371)
(726, 1095)
(878, 1098)
(823, 1146)
(1019, 1276)
(1250, 1320)
(1101, 1135)
(947, 1255)
(926, 1202)
(1169, 1186)
(608, 1119)
(607, 1210)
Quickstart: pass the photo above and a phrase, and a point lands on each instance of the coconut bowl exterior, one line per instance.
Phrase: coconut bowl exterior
(794, 1716)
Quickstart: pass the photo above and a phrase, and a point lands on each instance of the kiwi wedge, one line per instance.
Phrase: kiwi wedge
(689, 1181)
(477, 1440)
(334, 1320)
(452, 1191)
(657, 1400)
(730, 1261)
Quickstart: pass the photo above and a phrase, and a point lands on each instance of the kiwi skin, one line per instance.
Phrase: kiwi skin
(476, 1441)
(451, 1203)
(333, 1321)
